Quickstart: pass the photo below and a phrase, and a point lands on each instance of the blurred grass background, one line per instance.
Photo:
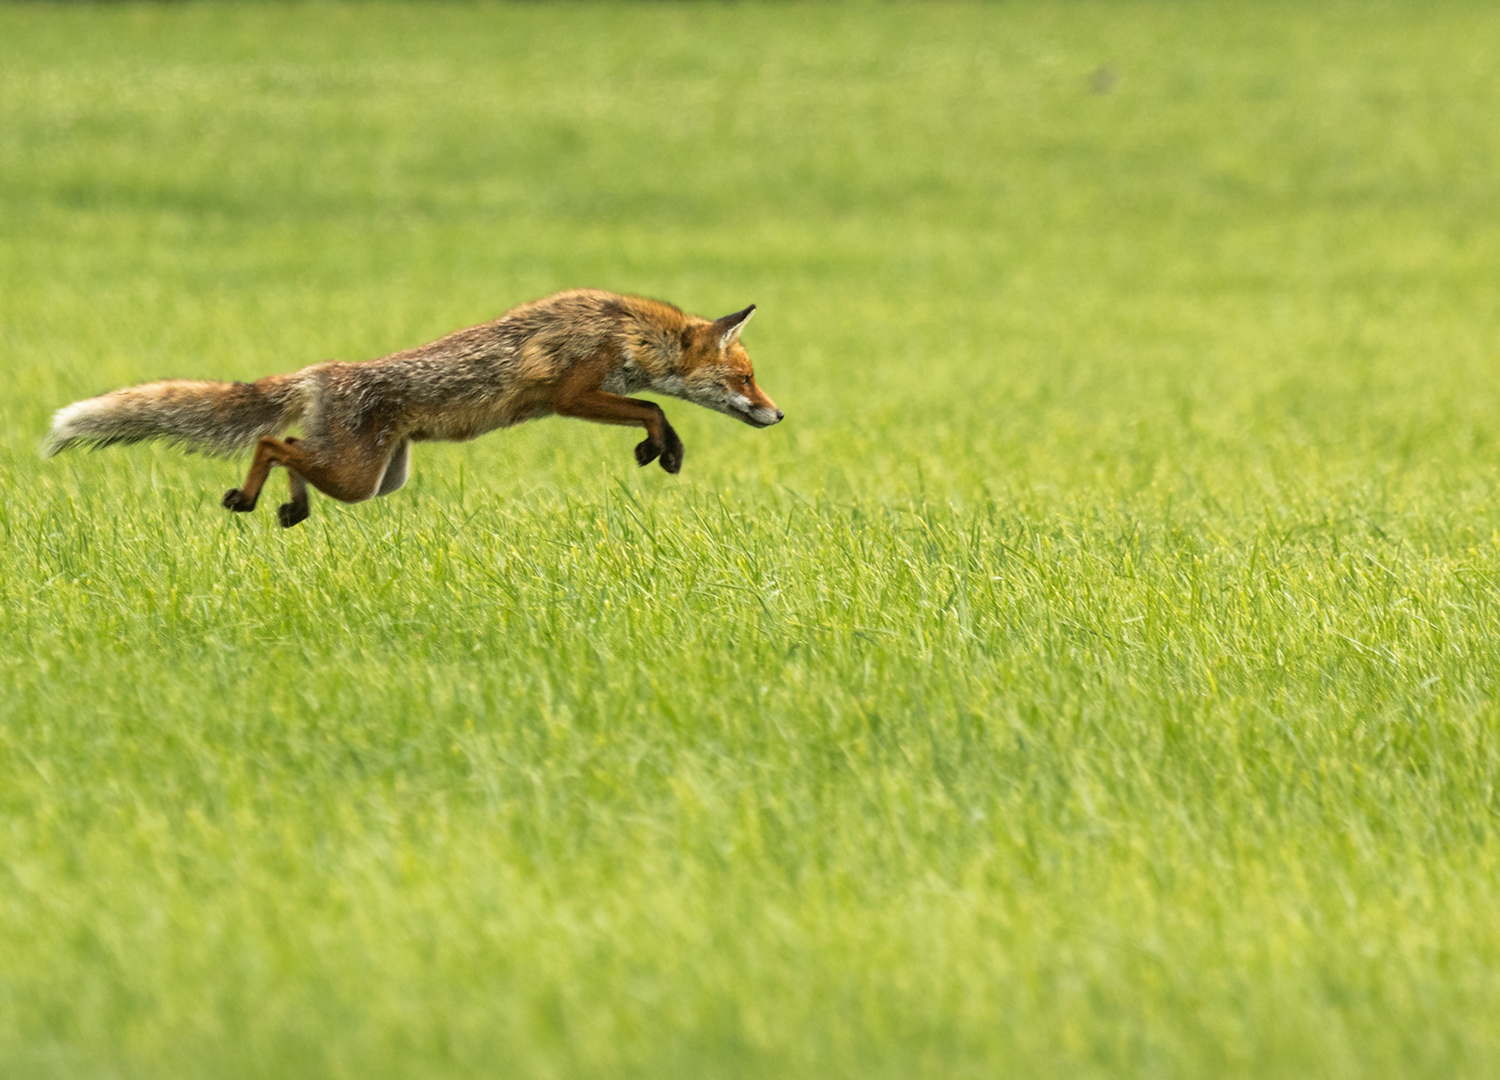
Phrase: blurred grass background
(1094, 675)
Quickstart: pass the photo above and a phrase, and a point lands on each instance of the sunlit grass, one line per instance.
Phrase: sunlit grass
(1093, 676)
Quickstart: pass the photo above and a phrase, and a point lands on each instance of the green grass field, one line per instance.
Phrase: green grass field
(1095, 675)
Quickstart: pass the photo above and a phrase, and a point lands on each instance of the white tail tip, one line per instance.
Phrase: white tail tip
(67, 425)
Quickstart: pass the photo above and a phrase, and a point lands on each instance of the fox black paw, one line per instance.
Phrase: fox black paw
(671, 457)
(234, 499)
(290, 514)
(646, 452)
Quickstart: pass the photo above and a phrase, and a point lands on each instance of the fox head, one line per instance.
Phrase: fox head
(714, 371)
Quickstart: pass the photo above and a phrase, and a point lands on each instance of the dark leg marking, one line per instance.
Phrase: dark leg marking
(295, 509)
(671, 455)
(290, 513)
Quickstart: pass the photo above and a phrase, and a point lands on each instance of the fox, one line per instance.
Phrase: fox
(579, 353)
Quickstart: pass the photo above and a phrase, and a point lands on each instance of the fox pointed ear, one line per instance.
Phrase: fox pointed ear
(728, 328)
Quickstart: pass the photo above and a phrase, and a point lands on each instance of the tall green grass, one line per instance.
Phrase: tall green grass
(1094, 675)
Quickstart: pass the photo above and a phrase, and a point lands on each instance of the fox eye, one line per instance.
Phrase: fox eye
(748, 379)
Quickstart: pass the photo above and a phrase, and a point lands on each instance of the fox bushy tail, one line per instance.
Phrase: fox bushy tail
(210, 417)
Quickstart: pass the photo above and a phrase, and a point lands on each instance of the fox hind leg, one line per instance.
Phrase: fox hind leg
(347, 469)
(295, 509)
(243, 499)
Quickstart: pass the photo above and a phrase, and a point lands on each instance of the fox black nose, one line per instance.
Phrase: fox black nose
(780, 416)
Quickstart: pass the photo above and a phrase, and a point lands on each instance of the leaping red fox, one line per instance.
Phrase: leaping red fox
(574, 354)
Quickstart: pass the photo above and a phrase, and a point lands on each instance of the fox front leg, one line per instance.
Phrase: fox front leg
(606, 408)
